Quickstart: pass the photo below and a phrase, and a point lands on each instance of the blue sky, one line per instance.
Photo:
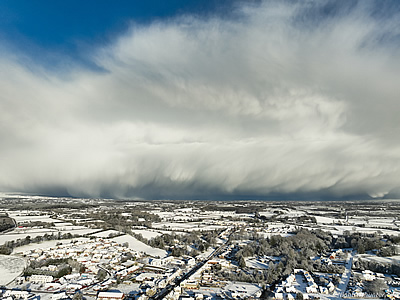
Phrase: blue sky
(73, 28)
(200, 99)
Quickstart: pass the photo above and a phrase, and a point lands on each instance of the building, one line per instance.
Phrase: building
(14, 294)
(110, 296)
(190, 284)
(40, 279)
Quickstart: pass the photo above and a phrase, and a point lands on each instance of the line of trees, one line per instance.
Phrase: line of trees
(8, 247)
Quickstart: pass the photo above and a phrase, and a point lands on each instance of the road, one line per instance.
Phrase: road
(344, 281)
(164, 292)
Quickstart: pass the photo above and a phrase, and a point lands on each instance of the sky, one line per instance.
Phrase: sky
(200, 99)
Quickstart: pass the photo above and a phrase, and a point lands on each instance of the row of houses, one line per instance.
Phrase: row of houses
(89, 253)
(289, 288)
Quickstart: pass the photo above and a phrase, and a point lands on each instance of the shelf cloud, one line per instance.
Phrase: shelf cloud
(279, 98)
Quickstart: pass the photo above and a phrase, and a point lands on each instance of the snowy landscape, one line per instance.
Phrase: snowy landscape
(200, 249)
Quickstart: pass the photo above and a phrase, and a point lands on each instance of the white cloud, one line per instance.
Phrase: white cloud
(275, 102)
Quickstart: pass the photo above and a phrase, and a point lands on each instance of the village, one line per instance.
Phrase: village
(86, 249)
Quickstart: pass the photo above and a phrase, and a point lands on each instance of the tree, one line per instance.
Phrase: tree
(376, 286)
(5, 250)
(361, 248)
(242, 262)
(77, 296)
(101, 275)
(299, 296)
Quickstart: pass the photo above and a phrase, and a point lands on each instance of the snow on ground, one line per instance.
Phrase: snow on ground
(22, 233)
(210, 292)
(23, 218)
(344, 280)
(147, 234)
(105, 234)
(374, 222)
(206, 253)
(373, 230)
(62, 224)
(291, 214)
(340, 229)
(171, 232)
(244, 288)
(164, 214)
(386, 260)
(46, 244)
(266, 214)
(256, 264)
(82, 231)
(326, 220)
(15, 236)
(10, 267)
(139, 246)
(300, 284)
(269, 234)
(188, 226)
(133, 288)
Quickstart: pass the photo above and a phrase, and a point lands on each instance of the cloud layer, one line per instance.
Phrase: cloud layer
(279, 99)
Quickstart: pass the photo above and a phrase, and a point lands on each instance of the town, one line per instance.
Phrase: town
(67, 248)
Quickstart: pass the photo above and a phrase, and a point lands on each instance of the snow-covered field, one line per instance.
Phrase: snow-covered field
(244, 288)
(147, 234)
(22, 233)
(170, 232)
(269, 234)
(11, 236)
(139, 246)
(256, 264)
(21, 218)
(188, 226)
(266, 214)
(45, 244)
(105, 234)
(10, 267)
(340, 229)
(82, 231)
(68, 226)
(387, 260)
(327, 220)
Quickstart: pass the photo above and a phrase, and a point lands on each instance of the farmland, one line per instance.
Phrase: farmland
(227, 249)
(10, 267)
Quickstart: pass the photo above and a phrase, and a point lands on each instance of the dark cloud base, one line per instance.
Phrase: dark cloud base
(151, 193)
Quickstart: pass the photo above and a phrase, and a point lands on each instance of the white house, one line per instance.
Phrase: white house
(110, 296)
(40, 279)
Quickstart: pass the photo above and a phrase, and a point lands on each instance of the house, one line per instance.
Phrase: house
(40, 279)
(291, 289)
(326, 261)
(60, 296)
(311, 290)
(190, 284)
(290, 296)
(331, 287)
(14, 294)
(323, 290)
(368, 275)
(110, 296)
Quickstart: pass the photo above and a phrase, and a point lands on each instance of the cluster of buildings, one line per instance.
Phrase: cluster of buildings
(89, 253)
(301, 281)
(121, 264)
(15, 294)
(392, 294)
(356, 288)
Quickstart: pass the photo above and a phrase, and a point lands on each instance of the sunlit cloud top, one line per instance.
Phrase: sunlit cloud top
(279, 99)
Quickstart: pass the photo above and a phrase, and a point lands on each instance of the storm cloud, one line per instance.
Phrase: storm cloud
(279, 98)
